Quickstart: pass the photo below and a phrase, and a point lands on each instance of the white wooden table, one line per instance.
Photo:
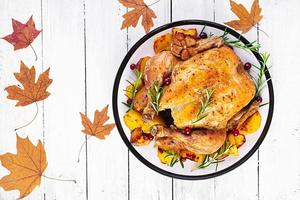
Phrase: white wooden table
(82, 43)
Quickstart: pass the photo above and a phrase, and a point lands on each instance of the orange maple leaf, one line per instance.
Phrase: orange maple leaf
(31, 91)
(26, 167)
(246, 20)
(97, 128)
(140, 9)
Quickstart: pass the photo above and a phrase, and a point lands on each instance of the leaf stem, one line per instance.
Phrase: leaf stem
(37, 111)
(261, 31)
(34, 52)
(153, 3)
(85, 141)
(57, 179)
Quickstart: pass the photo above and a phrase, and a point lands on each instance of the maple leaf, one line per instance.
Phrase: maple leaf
(23, 34)
(140, 9)
(31, 91)
(246, 20)
(97, 128)
(26, 167)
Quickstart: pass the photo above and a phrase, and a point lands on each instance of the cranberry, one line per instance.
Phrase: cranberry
(235, 132)
(259, 99)
(187, 131)
(247, 66)
(132, 66)
(129, 101)
(203, 35)
(167, 80)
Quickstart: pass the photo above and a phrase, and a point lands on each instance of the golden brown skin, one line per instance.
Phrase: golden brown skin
(159, 65)
(199, 142)
(218, 69)
(239, 118)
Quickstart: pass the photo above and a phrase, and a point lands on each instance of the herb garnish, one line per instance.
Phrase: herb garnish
(212, 159)
(134, 87)
(175, 158)
(155, 93)
(252, 46)
(259, 82)
(204, 104)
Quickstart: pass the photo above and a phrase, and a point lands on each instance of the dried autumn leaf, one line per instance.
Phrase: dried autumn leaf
(23, 34)
(140, 9)
(26, 167)
(246, 20)
(32, 91)
(97, 128)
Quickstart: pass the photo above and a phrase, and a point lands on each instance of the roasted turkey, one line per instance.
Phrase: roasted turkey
(214, 66)
(217, 69)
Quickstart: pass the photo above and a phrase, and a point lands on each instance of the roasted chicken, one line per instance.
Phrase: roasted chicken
(218, 69)
(205, 64)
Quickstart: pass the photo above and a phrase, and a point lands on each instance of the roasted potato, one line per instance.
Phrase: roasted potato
(236, 141)
(189, 32)
(239, 140)
(140, 100)
(164, 158)
(129, 88)
(162, 43)
(133, 120)
(233, 151)
(251, 125)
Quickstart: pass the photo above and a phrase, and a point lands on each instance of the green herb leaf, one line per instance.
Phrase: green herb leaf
(134, 86)
(213, 159)
(252, 46)
(260, 82)
(175, 158)
(155, 93)
(204, 104)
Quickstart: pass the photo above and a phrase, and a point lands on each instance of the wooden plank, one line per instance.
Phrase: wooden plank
(145, 183)
(203, 10)
(63, 40)
(242, 182)
(11, 116)
(106, 47)
(279, 161)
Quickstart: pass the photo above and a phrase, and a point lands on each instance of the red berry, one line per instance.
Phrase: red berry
(259, 99)
(132, 66)
(129, 101)
(247, 66)
(203, 35)
(167, 80)
(235, 132)
(187, 131)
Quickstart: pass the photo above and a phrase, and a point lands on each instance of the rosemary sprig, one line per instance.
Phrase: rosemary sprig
(134, 87)
(208, 160)
(155, 93)
(252, 46)
(260, 82)
(204, 104)
(175, 158)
